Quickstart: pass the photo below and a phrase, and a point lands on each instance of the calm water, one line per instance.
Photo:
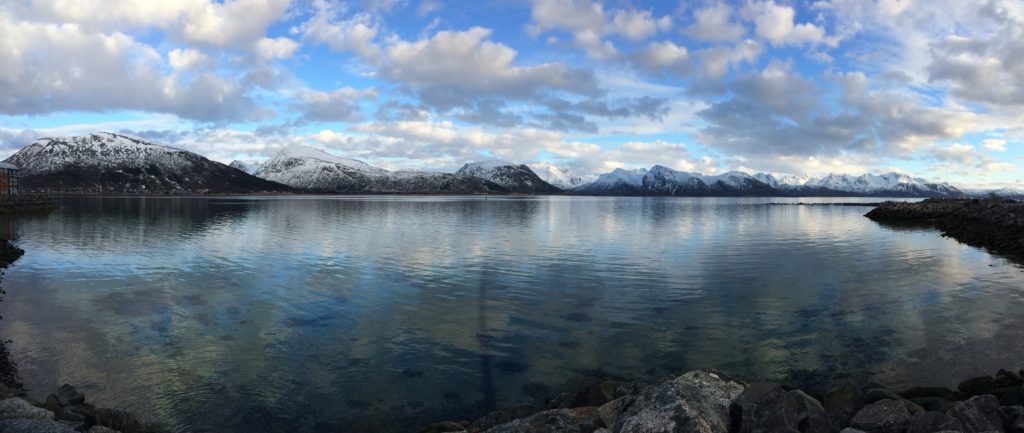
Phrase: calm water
(381, 313)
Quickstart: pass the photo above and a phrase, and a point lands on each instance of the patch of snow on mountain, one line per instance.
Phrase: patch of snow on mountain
(559, 176)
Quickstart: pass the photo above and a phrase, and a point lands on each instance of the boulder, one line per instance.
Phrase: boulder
(13, 408)
(101, 429)
(67, 395)
(33, 426)
(503, 416)
(697, 401)
(578, 420)
(932, 422)
(883, 416)
(763, 408)
(439, 427)
(609, 412)
(843, 399)
(978, 414)
(1017, 426)
(877, 394)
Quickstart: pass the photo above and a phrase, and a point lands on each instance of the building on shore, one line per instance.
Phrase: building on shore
(9, 177)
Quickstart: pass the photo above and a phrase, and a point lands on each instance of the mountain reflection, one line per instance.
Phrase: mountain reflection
(380, 313)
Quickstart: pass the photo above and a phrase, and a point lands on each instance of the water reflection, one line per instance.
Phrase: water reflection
(377, 313)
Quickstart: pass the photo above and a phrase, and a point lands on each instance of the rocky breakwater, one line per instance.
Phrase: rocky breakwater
(65, 411)
(710, 402)
(994, 224)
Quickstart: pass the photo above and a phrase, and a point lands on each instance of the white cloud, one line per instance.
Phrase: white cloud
(276, 48)
(775, 23)
(714, 23)
(355, 34)
(186, 59)
(589, 22)
(89, 71)
(232, 23)
(994, 144)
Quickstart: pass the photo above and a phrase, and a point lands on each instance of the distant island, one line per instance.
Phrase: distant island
(108, 163)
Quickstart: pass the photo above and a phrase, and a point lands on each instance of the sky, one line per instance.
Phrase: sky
(930, 88)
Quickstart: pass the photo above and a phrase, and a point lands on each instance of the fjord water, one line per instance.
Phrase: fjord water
(307, 314)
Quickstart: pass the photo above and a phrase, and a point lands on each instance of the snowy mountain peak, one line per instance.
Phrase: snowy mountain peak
(107, 162)
(248, 167)
(517, 178)
(559, 176)
(306, 152)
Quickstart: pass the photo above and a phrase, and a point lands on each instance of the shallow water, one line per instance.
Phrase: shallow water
(305, 314)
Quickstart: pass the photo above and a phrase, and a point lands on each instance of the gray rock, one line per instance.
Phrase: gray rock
(67, 395)
(763, 407)
(877, 394)
(932, 422)
(578, 420)
(812, 416)
(1017, 426)
(12, 408)
(843, 399)
(101, 429)
(697, 401)
(609, 412)
(503, 416)
(851, 430)
(978, 414)
(883, 416)
(33, 426)
(1010, 414)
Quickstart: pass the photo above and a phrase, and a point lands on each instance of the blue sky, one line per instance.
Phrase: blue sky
(931, 88)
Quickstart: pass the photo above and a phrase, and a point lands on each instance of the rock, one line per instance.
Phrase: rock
(101, 429)
(1013, 396)
(697, 401)
(71, 417)
(978, 414)
(877, 394)
(67, 395)
(53, 405)
(843, 399)
(812, 416)
(932, 422)
(1017, 426)
(503, 416)
(932, 404)
(851, 430)
(613, 390)
(578, 420)
(929, 392)
(438, 427)
(884, 416)
(762, 407)
(1009, 414)
(12, 408)
(609, 412)
(33, 426)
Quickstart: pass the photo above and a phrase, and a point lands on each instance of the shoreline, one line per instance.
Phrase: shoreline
(709, 401)
(996, 225)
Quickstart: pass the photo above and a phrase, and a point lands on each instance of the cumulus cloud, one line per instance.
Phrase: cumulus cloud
(328, 26)
(777, 113)
(341, 105)
(589, 23)
(90, 71)
(715, 23)
(994, 144)
(232, 23)
(776, 24)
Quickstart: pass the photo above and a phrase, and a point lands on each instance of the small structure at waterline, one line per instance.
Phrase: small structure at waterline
(10, 175)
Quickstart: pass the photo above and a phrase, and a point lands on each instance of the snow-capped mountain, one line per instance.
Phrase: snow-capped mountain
(314, 170)
(661, 180)
(889, 185)
(114, 163)
(248, 167)
(560, 177)
(1011, 193)
(517, 178)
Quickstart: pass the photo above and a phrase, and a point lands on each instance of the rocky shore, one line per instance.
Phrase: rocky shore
(994, 224)
(707, 401)
(65, 410)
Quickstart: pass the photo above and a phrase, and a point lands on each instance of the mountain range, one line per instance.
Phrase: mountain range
(114, 163)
